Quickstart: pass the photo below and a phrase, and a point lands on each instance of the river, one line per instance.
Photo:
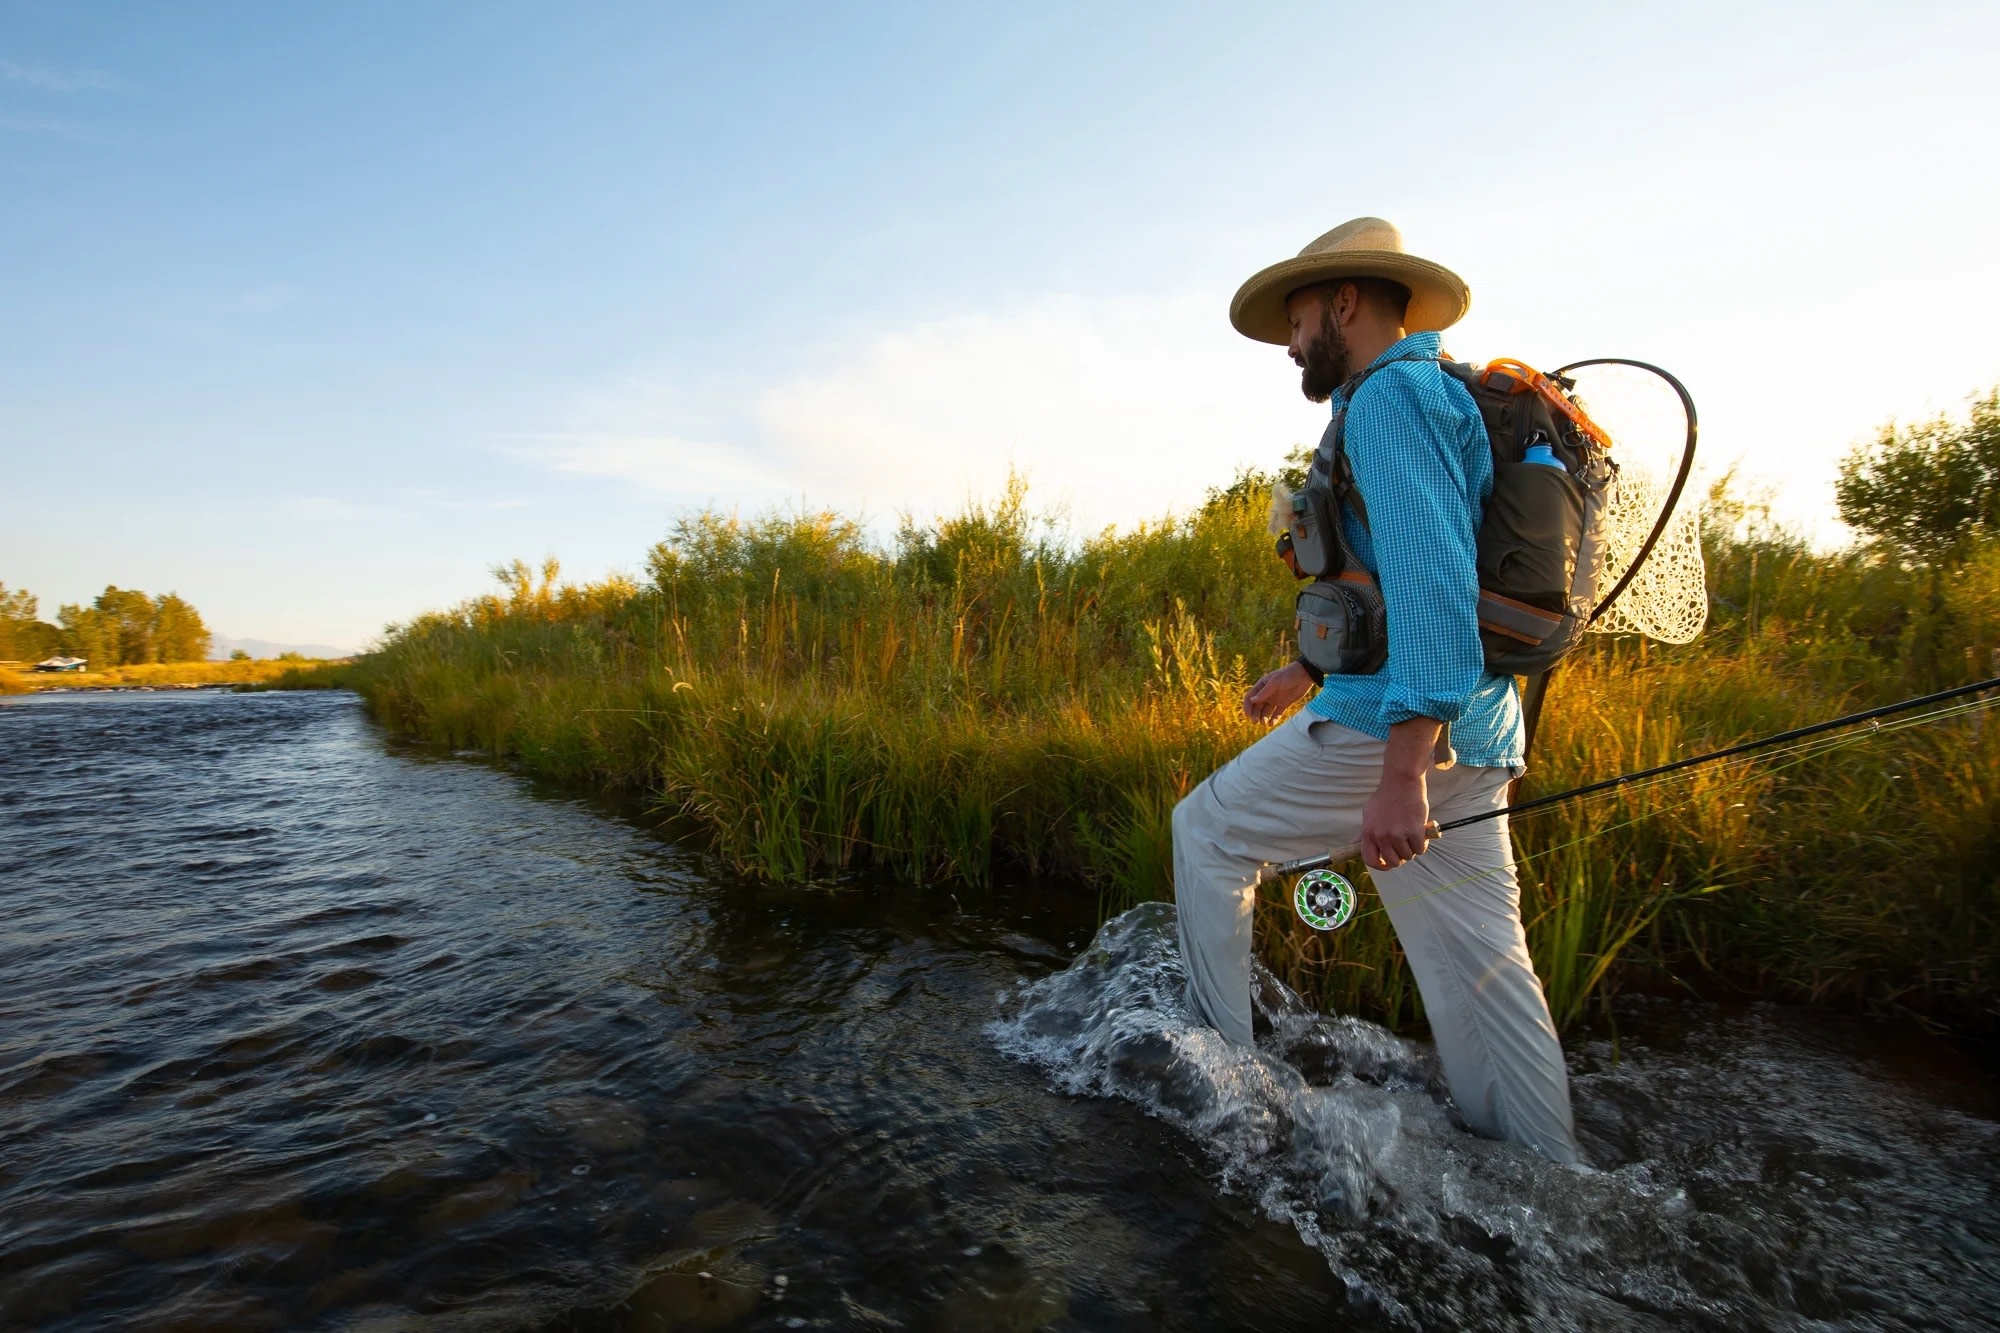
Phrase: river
(303, 1028)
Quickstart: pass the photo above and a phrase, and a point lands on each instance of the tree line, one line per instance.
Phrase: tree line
(122, 627)
(1929, 494)
(1925, 499)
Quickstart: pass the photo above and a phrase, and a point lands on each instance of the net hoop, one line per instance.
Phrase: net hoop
(1673, 499)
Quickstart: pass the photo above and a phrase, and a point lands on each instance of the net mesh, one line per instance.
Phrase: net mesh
(1668, 599)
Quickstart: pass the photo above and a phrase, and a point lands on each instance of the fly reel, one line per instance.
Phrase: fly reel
(1324, 900)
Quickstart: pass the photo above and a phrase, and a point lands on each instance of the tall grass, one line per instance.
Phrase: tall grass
(982, 698)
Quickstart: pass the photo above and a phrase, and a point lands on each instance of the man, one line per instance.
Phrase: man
(1360, 761)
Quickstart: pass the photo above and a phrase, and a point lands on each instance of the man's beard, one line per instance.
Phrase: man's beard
(1327, 365)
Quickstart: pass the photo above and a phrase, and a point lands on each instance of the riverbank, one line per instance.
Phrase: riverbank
(984, 701)
(156, 675)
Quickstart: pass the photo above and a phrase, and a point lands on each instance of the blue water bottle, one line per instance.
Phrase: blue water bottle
(1542, 454)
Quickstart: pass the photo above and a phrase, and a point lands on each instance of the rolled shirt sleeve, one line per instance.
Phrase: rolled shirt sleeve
(1408, 461)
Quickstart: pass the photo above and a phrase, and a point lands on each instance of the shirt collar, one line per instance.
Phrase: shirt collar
(1426, 344)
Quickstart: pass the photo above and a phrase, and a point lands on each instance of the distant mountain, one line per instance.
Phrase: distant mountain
(220, 646)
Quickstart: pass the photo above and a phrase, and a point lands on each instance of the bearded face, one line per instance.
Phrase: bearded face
(1324, 364)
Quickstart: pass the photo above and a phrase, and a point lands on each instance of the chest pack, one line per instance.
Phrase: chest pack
(1540, 540)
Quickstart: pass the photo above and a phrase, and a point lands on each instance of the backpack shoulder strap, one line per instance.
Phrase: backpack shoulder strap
(1344, 485)
(1345, 488)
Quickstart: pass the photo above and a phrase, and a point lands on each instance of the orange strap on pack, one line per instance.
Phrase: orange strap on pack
(1526, 379)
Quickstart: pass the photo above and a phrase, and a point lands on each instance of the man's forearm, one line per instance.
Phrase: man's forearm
(1394, 820)
(1411, 745)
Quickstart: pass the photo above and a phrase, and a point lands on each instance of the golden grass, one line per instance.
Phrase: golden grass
(982, 702)
(151, 676)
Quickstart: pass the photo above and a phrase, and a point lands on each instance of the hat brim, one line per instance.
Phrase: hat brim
(1439, 298)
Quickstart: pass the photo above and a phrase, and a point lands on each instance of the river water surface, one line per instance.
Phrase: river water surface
(303, 1029)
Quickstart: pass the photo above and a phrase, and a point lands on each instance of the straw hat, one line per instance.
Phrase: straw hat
(1363, 248)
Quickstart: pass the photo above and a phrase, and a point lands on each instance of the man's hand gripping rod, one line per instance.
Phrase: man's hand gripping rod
(1286, 869)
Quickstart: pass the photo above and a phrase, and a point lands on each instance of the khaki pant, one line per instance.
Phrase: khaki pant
(1299, 791)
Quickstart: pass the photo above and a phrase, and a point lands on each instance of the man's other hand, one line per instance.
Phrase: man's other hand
(1394, 822)
(1275, 691)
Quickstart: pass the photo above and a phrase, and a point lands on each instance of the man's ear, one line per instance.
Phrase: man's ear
(1345, 303)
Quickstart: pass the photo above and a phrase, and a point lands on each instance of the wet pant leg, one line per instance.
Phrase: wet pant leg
(1300, 790)
(1457, 913)
(1286, 796)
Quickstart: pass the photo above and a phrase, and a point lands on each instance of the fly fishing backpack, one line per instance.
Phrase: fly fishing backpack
(1540, 541)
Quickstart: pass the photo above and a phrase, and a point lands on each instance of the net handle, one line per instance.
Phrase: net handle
(1680, 478)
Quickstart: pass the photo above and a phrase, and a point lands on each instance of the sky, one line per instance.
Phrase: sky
(314, 313)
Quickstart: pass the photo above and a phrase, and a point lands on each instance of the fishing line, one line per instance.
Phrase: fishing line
(1677, 765)
(1804, 753)
(1325, 900)
(1334, 903)
(1839, 743)
(1807, 748)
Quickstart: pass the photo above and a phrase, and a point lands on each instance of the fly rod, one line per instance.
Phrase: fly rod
(1338, 854)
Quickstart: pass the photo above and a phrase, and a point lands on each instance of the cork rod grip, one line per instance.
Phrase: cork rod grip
(1283, 869)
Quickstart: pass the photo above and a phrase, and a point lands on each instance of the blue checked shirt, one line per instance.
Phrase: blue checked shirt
(1424, 469)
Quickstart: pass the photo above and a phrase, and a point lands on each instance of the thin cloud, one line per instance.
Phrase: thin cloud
(326, 509)
(459, 505)
(661, 462)
(57, 81)
(1118, 409)
(39, 125)
(1124, 408)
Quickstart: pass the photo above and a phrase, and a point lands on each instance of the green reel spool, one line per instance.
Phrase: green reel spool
(1323, 900)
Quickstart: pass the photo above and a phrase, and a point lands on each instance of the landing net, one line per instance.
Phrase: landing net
(1651, 433)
